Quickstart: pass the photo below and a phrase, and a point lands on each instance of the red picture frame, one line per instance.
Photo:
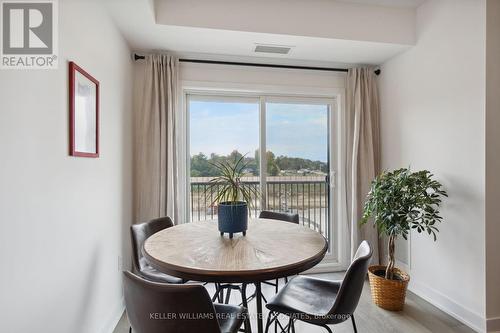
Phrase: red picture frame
(83, 113)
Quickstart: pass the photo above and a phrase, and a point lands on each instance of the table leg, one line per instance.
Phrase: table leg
(258, 296)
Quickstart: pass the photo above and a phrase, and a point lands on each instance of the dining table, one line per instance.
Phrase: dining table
(271, 249)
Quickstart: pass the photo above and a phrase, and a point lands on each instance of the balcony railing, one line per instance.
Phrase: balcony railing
(306, 196)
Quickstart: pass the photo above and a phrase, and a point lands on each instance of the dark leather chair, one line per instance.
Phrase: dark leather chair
(287, 217)
(162, 308)
(139, 233)
(322, 302)
(266, 214)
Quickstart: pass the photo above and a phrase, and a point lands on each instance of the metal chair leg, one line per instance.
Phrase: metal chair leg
(222, 291)
(218, 291)
(216, 294)
(248, 327)
(228, 296)
(354, 324)
(291, 325)
(327, 328)
(130, 329)
(273, 317)
(268, 323)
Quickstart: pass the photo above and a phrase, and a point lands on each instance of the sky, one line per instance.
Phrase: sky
(294, 130)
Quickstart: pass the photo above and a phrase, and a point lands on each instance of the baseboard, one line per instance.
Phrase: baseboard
(114, 318)
(493, 324)
(446, 304)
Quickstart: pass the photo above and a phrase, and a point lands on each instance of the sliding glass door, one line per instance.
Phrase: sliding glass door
(286, 146)
(297, 160)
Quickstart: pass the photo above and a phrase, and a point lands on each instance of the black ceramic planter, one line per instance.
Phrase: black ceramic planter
(233, 217)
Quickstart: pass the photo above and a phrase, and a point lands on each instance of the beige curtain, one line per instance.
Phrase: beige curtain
(363, 152)
(155, 149)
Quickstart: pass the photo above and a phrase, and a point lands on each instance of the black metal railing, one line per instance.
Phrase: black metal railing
(306, 196)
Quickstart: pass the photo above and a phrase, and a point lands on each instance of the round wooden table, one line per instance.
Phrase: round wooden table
(271, 249)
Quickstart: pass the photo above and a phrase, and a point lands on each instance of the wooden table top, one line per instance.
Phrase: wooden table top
(270, 249)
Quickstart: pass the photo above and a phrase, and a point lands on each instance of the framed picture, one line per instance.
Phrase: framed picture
(84, 112)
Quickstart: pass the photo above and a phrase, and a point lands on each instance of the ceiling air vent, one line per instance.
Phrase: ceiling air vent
(272, 49)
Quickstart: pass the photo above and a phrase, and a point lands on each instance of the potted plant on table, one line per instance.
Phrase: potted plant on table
(232, 196)
(400, 201)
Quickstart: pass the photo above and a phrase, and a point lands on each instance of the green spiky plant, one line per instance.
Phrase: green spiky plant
(228, 186)
(400, 201)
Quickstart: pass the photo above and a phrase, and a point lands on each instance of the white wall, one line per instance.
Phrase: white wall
(64, 220)
(433, 102)
(492, 164)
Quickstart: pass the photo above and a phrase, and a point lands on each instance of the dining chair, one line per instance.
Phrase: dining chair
(281, 216)
(139, 233)
(287, 217)
(322, 302)
(162, 308)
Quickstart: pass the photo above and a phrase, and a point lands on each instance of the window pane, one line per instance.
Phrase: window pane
(221, 129)
(297, 161)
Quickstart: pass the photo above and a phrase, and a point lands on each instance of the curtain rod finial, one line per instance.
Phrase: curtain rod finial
(138, 57)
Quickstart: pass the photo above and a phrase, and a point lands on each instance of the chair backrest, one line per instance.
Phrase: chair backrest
(266, 214)
(350, 290)
(140, 232)
(162, 308)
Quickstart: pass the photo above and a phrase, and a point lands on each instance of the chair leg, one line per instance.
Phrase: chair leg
(291, 325)
(222, 291)
(268, 323)
(327, 328)
(130, 329)
(217, 296)
(354, 324)
(216, 292)
(276, 286)
(248, 328)
(228, 295)
(273, 317)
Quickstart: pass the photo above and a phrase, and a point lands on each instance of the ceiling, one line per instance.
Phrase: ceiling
(137, 21)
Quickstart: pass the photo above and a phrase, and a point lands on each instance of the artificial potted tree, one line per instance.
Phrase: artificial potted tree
(400, 201)
(232, 196)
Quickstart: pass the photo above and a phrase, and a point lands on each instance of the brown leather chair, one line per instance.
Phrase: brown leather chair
(162, 308)
(139, 234)
(322, 302)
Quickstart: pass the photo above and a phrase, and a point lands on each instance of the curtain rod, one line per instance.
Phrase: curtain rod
(251, 64)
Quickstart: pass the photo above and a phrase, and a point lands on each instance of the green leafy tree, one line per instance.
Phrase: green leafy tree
(203, 166)
(272, 168)
(400, 201)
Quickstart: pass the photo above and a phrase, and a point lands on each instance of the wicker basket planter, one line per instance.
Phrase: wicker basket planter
(388, 294)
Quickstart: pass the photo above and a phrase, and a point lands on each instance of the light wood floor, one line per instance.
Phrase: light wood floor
(418, 316)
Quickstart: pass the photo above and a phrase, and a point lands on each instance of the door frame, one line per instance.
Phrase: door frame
(335, 98)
